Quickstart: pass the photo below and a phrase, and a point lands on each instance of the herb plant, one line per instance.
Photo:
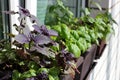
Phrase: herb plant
(78, 34)
(51, 50)
(36, 54)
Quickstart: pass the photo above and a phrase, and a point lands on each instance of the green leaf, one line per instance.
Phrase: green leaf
(100, 35)
(51, 77)
(81, 29)
(84, 42)
(87, 37)
(57, 28)
(33, 65)
(56, 47)
(65, 31)
(21, 63)
(97, 42)
(48, 27)
(101, 27)
(72, 39)
(93, 36)
(74, 49)
(99, 7)
(89, 45)
(16, 75)
(75, 34)
(60, 2)
(28, 74)
(81, 46)
(26, 46)
(54, 72)
(91, 20)
(42, 70)
(86, 11)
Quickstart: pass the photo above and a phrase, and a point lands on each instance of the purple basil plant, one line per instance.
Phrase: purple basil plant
(36, 38)
(38, 42)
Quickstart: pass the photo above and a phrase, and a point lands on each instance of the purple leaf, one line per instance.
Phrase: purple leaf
(41, 39)
(34, 19)
(9, 12)
(37, 28)
(45, 51)
(44, 30)
(24, 11)
(52, 33)
(41, 29)
(26, 30)
(21, 38)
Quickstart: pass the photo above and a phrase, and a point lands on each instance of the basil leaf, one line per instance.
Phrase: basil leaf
(65, 31)
(75, 34)
(75, 50)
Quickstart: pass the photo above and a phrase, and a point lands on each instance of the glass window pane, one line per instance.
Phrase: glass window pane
(22, 3)
(1, 25)
(73, 5)
(4, 19)
(41, 9)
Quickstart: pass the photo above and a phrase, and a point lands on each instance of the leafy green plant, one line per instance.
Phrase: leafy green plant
(80, 33)
(49, 51)
(36, 52)
(58, 13)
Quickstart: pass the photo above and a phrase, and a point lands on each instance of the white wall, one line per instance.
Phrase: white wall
(108, 66)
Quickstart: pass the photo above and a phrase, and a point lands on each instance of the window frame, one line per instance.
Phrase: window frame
(13, 18)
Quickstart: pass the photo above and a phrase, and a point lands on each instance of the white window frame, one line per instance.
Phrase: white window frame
(31, 5)
(13, 18)
(14, 7)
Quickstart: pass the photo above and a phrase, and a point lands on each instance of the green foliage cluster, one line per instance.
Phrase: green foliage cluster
(22, 68)
(78, 34)
(75, 36)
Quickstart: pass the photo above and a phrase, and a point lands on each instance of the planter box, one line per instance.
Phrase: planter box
(84, 64)
(68, 77)
(88, 74)
(100, 49)
(89, 56)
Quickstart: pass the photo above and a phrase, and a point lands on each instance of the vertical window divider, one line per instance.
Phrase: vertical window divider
(31, 5)
(13, 6)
